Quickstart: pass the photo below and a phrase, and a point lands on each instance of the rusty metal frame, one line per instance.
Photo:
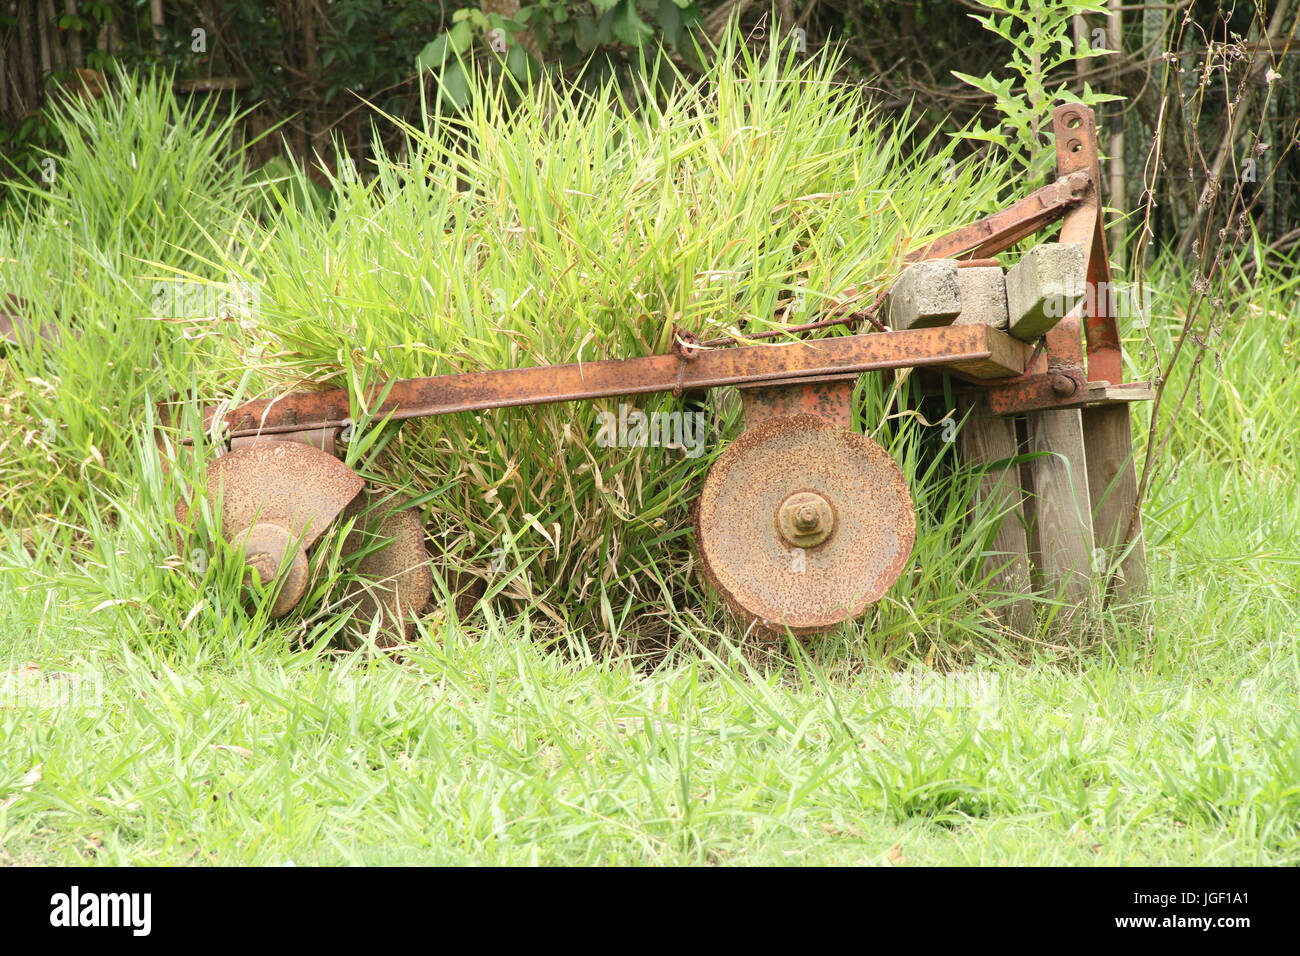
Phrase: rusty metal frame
(828, 397)
(1058, 375)
(1017, 376)
(977, 350)
(1002, 230)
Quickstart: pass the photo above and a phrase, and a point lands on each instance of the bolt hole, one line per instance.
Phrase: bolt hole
(1073, 120)
(1075, 146)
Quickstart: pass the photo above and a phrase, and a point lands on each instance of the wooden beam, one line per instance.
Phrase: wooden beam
(1112, 486)
(1060, 507)
(986, 438)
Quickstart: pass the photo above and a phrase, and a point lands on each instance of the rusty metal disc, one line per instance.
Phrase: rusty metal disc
(393, 578)
(803, 524)
(265, 548)
(276, 499)
(300, 488)
(18, 329)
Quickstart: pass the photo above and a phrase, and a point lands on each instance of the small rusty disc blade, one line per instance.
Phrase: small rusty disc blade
(295, 486)
(266, 547)
(394, 581)
(803, 524)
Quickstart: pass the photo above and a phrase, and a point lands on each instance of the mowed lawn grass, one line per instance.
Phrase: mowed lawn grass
(1173, 740)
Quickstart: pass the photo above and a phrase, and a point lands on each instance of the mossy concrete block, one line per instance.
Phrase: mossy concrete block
(926, 295)
(1043, 286)
(983, 297)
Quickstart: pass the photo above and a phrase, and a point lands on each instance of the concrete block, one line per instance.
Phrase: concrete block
(983, 297)
(925, 295)
(1043, 286)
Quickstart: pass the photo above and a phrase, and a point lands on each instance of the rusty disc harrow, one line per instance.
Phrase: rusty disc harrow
(802, 524)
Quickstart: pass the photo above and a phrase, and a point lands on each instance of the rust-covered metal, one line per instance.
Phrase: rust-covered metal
(976, 350)
(1003, 229)
(805, 519)
(1075, 129)
(392, 580)
(802, 479)
(1064, 386)
(1059, 374)
(830, 399)
(275, 499)
(266, 547)
(325, 439)
(299, 488)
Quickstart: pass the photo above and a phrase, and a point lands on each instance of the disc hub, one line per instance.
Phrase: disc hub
(805, 519)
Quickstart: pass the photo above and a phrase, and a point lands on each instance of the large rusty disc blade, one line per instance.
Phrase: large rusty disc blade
(299, 488)
(803, 524)
(394, 580)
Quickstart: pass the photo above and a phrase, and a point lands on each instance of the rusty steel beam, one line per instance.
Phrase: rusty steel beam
(1002, 230)
(972, 349)
(1075, 129)
(1062, 387)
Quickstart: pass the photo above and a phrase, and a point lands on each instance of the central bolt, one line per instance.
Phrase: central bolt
(1062, 384)
(805, 519)
(266, 566)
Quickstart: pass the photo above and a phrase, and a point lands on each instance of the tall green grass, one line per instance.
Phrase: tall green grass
(146, 190)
